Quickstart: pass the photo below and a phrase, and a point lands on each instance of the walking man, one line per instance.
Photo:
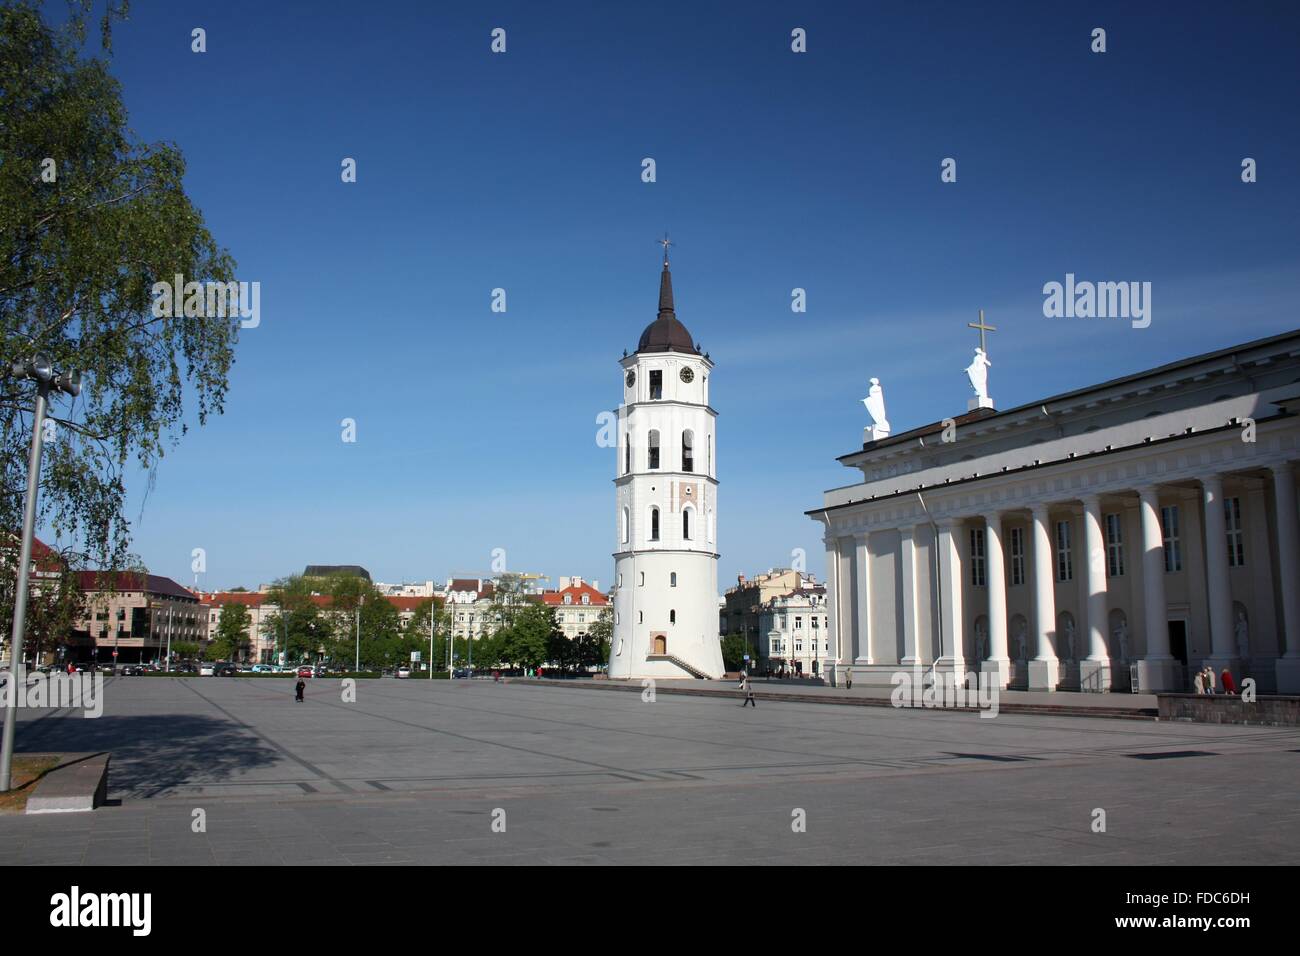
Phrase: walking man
(299, 688)
(748, 689)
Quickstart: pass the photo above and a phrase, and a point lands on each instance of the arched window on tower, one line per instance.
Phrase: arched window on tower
(654, 524)
(625, 526)
(686, 523)
(708, 464)
(627, 456)
(653, 450)
(688, 450)
(672, 617)
(672, 580)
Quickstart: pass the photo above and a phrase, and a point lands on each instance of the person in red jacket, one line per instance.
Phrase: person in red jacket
(1229, 685)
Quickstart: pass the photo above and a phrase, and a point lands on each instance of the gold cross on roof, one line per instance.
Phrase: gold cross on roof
(983, 328)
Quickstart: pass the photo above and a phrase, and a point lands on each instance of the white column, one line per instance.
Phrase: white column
(832, 599)
(950, 592)
(912, 653)
(998, 665)
(1043, 669)
(1222, 652)
(1094, 669)
(862, 584)
(1288, 566)
(1155, 670)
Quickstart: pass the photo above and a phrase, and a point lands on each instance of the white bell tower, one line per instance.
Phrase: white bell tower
(666, 565)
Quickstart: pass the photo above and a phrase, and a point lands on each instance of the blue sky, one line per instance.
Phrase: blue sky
(477, 430)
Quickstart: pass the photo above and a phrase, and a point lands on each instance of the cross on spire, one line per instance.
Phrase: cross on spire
(665, 242)
(983, 328)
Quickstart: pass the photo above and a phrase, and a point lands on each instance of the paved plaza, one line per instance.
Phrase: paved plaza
(414, 772)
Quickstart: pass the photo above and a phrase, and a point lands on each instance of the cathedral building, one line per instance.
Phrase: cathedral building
(666, 565)
(1117, 537)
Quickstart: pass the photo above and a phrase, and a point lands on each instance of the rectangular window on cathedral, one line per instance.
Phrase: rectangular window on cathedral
(656, 385)
(1017, 555)
(1064, 561)
(1114, 545)
(977, 557)
(1236, 545)
(1172, 542)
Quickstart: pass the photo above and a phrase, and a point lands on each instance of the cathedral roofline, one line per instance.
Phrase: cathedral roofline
(1072, 398)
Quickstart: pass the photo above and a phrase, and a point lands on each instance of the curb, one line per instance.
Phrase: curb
(1111, 713)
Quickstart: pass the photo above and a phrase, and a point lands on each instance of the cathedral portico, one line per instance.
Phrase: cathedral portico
(1133, 545)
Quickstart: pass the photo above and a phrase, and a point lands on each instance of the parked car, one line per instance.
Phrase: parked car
(134, 670)
(403, 672)
(464, 672)
(262, 669)
(207, 670)
(227, 670)
(306, 672)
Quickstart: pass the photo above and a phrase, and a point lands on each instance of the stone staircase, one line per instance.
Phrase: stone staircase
(700, 675)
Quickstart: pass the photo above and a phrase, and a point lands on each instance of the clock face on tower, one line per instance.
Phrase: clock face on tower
(688, 376)
(631, 378)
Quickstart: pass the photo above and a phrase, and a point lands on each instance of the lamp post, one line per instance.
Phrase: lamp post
(41, 371)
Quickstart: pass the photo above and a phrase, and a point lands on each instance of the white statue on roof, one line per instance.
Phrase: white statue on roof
(875, 402)
(978, 373)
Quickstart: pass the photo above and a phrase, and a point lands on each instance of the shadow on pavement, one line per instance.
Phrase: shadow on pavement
(153, 753)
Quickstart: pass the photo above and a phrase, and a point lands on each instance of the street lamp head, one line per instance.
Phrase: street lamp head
(69, 382)
(37, 368)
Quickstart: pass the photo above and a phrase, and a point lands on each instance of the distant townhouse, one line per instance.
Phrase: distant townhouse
(742, 606)
(792, 630)
(469, 605)
(578, 605)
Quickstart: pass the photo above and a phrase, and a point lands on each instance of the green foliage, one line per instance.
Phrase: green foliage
(527, 641)
(55, 601)
(734, 650)
(78, 260)
(232, 632)
(587, 650)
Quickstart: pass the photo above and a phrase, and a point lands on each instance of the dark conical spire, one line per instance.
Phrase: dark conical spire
(666, 291)
(666, 333)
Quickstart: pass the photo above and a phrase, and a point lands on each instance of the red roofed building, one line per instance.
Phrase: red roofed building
(577, 604)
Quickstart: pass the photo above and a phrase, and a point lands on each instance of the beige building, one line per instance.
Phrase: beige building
(132, 618)
(741, 612)
(577, 604)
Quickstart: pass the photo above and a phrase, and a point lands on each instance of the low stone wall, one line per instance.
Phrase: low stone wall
(1265, 710)
(79, 783)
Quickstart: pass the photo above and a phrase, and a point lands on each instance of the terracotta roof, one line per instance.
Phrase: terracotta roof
(595, 598)
(404, 603)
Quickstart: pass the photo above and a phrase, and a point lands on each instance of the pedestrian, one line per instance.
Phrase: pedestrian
(1209, 680)
(749, 690)
(1198, 682)
(301, 686)
(1229, 685)
(848, 678)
